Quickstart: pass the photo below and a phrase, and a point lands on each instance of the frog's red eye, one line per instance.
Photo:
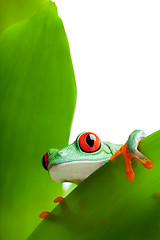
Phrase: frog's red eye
(45, 161)
(89, 142)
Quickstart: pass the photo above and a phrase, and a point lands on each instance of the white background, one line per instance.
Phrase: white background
(115, 49)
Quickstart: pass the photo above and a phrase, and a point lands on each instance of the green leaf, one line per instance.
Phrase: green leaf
(107, 206)
(38, 96)
(13, 11)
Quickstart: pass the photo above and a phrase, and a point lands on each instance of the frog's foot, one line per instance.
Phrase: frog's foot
(58, 199)
(127, 159)
(129, 150)
(44, 214)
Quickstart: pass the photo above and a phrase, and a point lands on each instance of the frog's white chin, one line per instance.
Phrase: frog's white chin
(75, 171)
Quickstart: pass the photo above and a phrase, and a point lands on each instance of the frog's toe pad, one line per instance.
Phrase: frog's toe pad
(147, 163)
(44, 214)
(58, 199)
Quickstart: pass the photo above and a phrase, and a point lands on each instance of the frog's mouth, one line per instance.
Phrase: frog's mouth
(75, 171)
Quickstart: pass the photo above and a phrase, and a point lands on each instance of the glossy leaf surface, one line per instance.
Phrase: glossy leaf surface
(37, 96)
(13, 11)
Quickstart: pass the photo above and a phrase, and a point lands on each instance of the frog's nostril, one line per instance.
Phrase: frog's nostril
(60, 153)
(45, 161)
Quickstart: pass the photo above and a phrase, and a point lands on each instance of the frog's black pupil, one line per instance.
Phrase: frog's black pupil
(90, 140)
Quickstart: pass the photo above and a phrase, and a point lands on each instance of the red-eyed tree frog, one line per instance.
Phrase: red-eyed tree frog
(77, 161)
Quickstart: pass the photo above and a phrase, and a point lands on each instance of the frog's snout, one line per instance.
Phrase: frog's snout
(50, 154)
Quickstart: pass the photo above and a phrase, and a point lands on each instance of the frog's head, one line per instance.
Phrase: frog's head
(77, 161)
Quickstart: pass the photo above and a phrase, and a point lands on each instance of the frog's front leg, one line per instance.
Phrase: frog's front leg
(130, 150)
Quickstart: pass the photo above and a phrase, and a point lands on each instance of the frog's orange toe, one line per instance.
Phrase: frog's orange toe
(58, 199)
(127, 160)
(130, 175)
(145, 162)
(44, 214)
(149, 164)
